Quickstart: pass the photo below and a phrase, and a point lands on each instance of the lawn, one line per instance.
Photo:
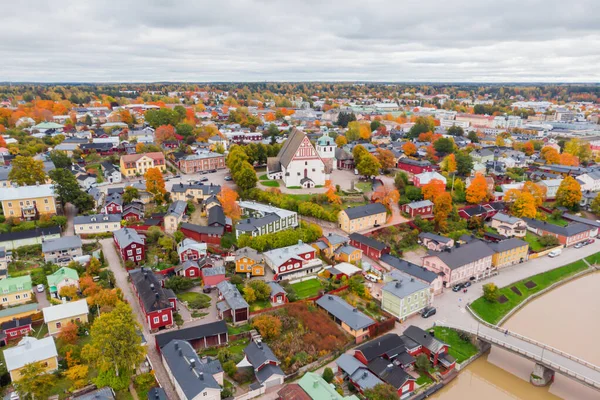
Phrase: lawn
(594, 258)
(532, 239)
(558, 221)
(234, 330)
(263, 177)
(460, 349)
(260, 305)
(299, 197)
(364, 187)
(493, 312)
(270, 183)
(423, 380)
(193, 296)
(308, 288)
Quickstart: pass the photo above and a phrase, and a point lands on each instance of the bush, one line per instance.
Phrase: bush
(422, 362)
(199, 303)
(230, 368)
(328, 375)
(548, 241)
(30, 250)
(490, 292)
(179, 284)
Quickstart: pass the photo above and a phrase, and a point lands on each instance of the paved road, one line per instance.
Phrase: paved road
(114, 263)
(70, 213)
(41, 298)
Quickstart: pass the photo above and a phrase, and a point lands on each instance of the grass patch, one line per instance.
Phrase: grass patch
(533, 241)
(459, 348)
(235, 330)
(196, 314)
(493, 312)
(294, 187)
(236, 348)
(299, 197)
(594, 258)
(557, 221)
(263, 177)
(308, 288)
(364, 186)
(270, 183)
(260, 305)
(193, 296)
(423, 380)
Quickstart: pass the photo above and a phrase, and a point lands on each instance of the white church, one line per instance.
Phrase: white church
(300, 164)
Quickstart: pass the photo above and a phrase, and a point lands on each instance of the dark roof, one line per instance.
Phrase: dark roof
(433, 236)
(456, 257)
(192, 333)
(423, 338)
(567, 231)
(104, 393)
(390, 342)
(259, 353)
(343, 311)
(290, 147)
(389, 372)
(216, 216)
(16, 323)
(409, 268)
(152, 294)
(410, 161)
(365, 211)
(37, 232)
(215, 230)
(157, 393)
(368, 241)
(268, 371)
(206, 189)
(253, 224)
(508, 244)
(586, 221)
(293, 391)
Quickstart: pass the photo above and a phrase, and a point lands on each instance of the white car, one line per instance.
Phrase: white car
(40, 288)
(555, 253)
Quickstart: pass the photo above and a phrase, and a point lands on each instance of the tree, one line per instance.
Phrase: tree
(344, 118)
(382, 391)
(245, 178)
(68, 333)
(455, 130)
(27, 171)
(569, 193)
(69, 291)
(386, 158)
(386, 196)
(400, 181)
(68, 190)
(537, 191)
(269, 326)
(78, 375)
(413, 193)
(444, 145)
(328, 375)
(35, 381)
(409, 149)
(331, 194)
(472, 136)
(550, 155)
(422, 125)
(341, 140)
(528, 148)
(524, 205)
(442, 206)
(572, 147)
(115, 344)
(130, 194)
(464, 164)
(422, 362)
(155, 183)
(477, 190)
(585, 153)
(449, 164)
(368, 166)
(164, 133)
(548, 241)
(434, 188)
(184, 129)
(261, 289)
(595, 206)
(228, 198)
(179, 284)
(491, 292)
(60, 159)
(163, 116)
(249, 294)
(358, 152)
(568, 159)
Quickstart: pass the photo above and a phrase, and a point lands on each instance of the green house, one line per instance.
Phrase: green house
(61, 278)
(317, 388)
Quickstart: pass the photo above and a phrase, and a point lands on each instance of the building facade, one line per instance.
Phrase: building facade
(138, 164)
(354, 219)
(28, 202)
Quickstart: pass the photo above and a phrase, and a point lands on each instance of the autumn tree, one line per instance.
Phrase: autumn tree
(341, 140)
(164, 133)
(386, 159)
(267, 325)
(115, 347)
(550, 155)
(27, 171)
(228, 198)
(409, 149)
(35, 381)
(523, 203)
(382, 391)
(386, 196)
(528, 148)
(569, 193)
(155, 183)
(87, 286)
(442, 207)
(449, 164)
(331, 194)
(68, 333)
(477, 190)
(433, 188)
(368, 165)
(595, 206)
(358, 152)
(69, 291)
(78, 375)
(537, 191)
(491, 292)
(568, 160)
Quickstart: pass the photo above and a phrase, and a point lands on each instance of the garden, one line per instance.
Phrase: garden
(265, 181)
(194, 300)
(497, 302)
(305, 289)
(461, 347)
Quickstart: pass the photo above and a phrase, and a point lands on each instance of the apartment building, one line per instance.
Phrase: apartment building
(28, 202)
(138, 164)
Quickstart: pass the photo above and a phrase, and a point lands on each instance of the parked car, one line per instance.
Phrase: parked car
(555, 253)
(589, 241)
(228, 178)
(466, 284)
(457, 287)
(212, 171)
(428, 312)
(40, 288)
(372, 278)
(203, 180)
(579, 245)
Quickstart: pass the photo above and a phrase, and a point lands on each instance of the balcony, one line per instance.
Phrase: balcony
(29, 212)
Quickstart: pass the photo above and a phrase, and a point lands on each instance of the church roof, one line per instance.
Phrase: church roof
(289, 148)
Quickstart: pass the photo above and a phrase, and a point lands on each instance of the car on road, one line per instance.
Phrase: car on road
(177, 176)
(579, 245)
(228, 178)
(467, 284)
(428, 312)
(589, 241)
(212, 171)
(40, 288)
(555, 253)
(457, 287)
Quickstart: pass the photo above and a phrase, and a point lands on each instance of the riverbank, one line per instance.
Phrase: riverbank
(514, 295)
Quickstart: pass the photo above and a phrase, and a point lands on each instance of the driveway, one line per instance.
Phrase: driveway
(121, 275)
(70, 213)
(41, 298)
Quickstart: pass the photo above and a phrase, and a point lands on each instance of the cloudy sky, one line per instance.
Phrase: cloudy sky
(301, 40)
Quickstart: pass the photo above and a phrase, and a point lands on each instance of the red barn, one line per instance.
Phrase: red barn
(199, 336)
(293, 261)
(421, 342)
(157, 303)
(371, 248)
(189, 249)
(204, 234)
(423, 207)
(133, 212)
(278, 294)
(16, 328)
(130, 244)
(212, 276)
(415, 166)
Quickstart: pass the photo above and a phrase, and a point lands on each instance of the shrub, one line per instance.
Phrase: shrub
(422, 362)
(230, 368)
(179, 284)
(328, 375)
(490, 292)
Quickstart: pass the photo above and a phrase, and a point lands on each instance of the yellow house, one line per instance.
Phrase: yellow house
(355, 219)
(509, 252)
(28, 202)
(18, 312)
(248, 260)
(56, 317)
(349, 318)
(138, 164)
(15, 291)
(31, 350)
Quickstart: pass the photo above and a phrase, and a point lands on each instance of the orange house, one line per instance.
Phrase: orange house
(249, 261)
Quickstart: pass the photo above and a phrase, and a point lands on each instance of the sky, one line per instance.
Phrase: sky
(302, 40)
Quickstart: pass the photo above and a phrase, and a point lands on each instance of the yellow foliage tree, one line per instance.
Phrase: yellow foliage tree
(524, 204)
(409, 149)
(341, 140)
(434, 188)
(442, 206)
(449, 163)
(155, 183)
(569, 193)
(477, 190)
(537, 191)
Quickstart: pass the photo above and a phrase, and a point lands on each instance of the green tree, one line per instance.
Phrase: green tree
(245, 178)
(444, 145)
(35, 381)
(184, 129)
(382, 391)
(68, 191)
(345, 118)
(179, 284)
(464, 164)
(163, 116)
(455, 130)
(262, 291)
(368, 166)
(328, 375)
(115, 345)
(130, 194)
(422, 362)
(61, 159)
(472, 136)
(413, 193)
(491, 292)
(595, 206)
(27, 171)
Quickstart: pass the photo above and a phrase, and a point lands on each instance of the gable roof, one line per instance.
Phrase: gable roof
(206, 230)
(62, 273)
(26, 192)
(149, 290)
(232, 295)
(216, 216)
(259, 353)
(419, 204)
(318, 388)
(365, 211)
(281, 255)
(409, 268)
(62, 243)
(177, 208)
(127, 236)
(423, 338)
(16, 284)
(456, 257)
(343, 311)
(368, 241)
(65, 310)
(248, 252)
(403, 287)
(567, 231)
(389, 372)
(134, 157)
(389, 344)
(192, 333)
(433, 236)
(290, 147)
(505, 218)
(29, 350)
(508, 244)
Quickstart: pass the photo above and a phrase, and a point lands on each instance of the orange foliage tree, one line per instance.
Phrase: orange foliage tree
(155, 183)
(442, 206)
(434, 188)
(477, 190)
(386, 196)
(550, 155)
(164, 133)
(569, 193)
(228, 198)
(537, 191)
(523, 203)
(331, 193)
(68, 333)
(528, 148)
(409, 149)
(386, 159)
(341, 140)
(569, 160)
(425, 137)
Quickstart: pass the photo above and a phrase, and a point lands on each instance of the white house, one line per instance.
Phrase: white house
(590, 181)
(551, 186)
(298, 163)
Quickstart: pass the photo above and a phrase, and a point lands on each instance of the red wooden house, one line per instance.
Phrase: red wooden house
(278, 294)
(191, 269)
(130, 244)
(158, 304)
(199, 336)
(204, 234)
(415, 166)
(133, 212)
(423, 207)
(371, 248)
(418, 341)
(16, 328)
(212, 276)
(189, 249)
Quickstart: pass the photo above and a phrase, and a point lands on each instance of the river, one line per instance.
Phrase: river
(566, 318)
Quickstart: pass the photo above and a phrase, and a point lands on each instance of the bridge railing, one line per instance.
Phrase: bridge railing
(552, 365)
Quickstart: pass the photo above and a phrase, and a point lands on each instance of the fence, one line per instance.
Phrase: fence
(251, 394)
(382, 327)
(543, 252)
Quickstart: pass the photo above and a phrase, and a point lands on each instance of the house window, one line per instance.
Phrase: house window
(139, 258)
(58, 325)
(138, 251)
(13, 334)
(18, 297)
(4, 299)
(165, 318)
(192, 272)
(156, 320)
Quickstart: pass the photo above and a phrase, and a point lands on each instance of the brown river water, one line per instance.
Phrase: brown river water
(567, 318)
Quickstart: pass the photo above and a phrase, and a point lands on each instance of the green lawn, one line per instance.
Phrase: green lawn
(263, 177)
(423, 380)
(191, 296)
(308, 288)
(236, 348)
(559, 221)
(532, 239)
(270, 183)
(364, 186)
(594, 258)
(460, 349)
(493, 312)
(299, 197)
(260, 305)
(234, 330)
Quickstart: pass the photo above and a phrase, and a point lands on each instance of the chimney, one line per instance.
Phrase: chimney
(157, 296)
(152, 286)
(201, 376)
(176, 345)
(180, 353)
(192, 364)
(145, 275)
(355, 310)
(398, 284)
